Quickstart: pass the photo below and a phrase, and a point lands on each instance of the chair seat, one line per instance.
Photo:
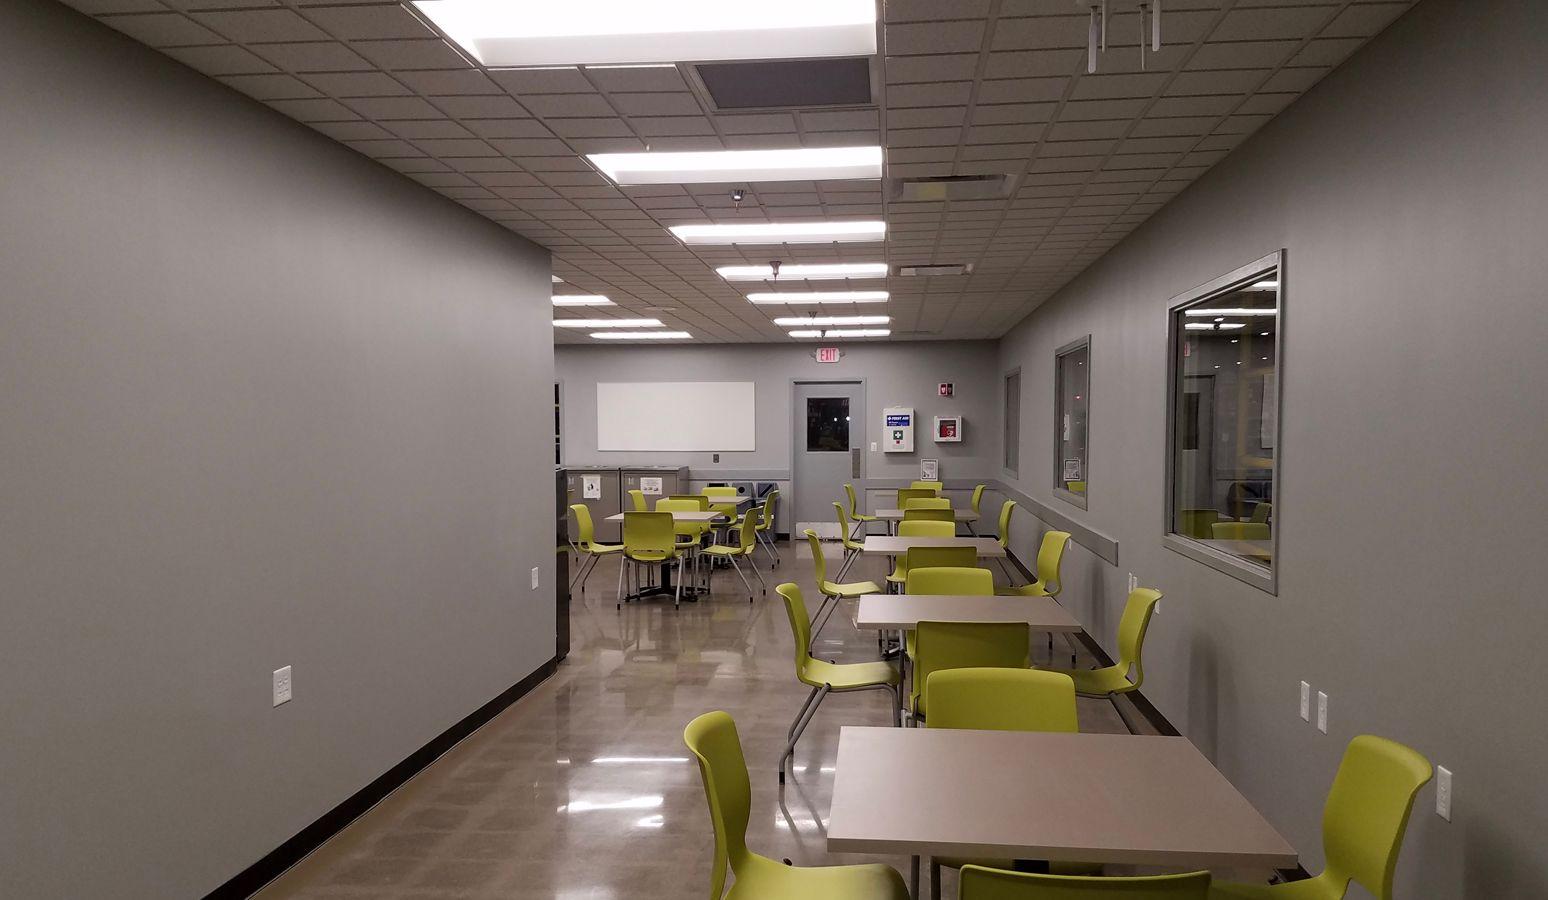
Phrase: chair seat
(761, 878)
(1308, 889)
(848, 676)
(1098, 682)
(600, 549)
(651, 556)
(722, 550)
(851, 589)
(862, 517)
(1035, 589)
(853, 544)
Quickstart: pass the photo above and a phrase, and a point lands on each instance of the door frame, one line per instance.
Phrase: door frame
(795, 448)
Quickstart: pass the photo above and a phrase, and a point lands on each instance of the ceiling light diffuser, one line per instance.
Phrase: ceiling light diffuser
(582, 300)
(613, 32)
(842, 333)
(781, 232)
(698, 167)
(641, 335)
(794, 297)
(798, 321)
(1267, 311)
(813, 272)
(1212, 326)
(557, 279)
(607, 323)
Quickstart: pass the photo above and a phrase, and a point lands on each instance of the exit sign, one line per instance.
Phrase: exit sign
(827, 354)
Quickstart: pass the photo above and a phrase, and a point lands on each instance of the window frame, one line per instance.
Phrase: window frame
(1010, 432)
(1265, 579)
(1059, 490)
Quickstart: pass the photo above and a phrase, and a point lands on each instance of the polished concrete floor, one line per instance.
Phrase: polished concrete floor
(583, 789)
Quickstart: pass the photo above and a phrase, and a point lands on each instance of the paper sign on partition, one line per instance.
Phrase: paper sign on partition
(591, 487)
(650, 485)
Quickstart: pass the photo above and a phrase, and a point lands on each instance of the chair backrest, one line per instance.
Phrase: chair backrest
(964, 580)
(818, 560)
(585, 532)
(1005, 520)
(978, 497)
(637, 497)
(938, 557)
(1131, 631)
(963, 645)
(917, 514)
(724, 490)
(713, 740)
(1367, 812)
(935, 486)
(924, 528)
(1075, 487)
(907, 494)
(1002, 700)
(675, 504)
(648, 531)
(700, 499)
(767, 514)
(979, 883)
(927, 503)
(747, 533)
(1240, 531)
(1050, 559)
(1260, 513)
(849, 491)
(800, 622)
(1196, 522)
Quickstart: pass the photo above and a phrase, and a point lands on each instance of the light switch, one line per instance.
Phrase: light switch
(1305, 702)
(1322, 712)
(535, 573)
(282, 686)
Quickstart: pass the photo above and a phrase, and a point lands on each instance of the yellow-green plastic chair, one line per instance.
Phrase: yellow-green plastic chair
(637, 498)
(586, 543)
(1075, 487)
(980, 883)
(927, 503)
(690, 535)
(941, 571)
(861, 519)
(1261, 512)
(713, 740)
(926, 528)
(852, 547)
(1050, 561)
(1363, 823)
(962, 645)
(1003, 536)
(650, 538)
(701, 502)
(832, 591)
(716, 497)
(826, 678)
(1113, 680)
(976, 502)
(1240, 531)
(1196, 522)
(922, 514)
(1001, 700)
(746, 541)
(764, 530)
(932, 557)
(935, 486)
(907, 494)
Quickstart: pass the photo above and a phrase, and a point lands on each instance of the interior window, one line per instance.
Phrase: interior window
(1072, 403)
(827, 423)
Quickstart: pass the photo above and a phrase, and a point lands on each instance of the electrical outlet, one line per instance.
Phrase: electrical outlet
(535, 571)
(714, 457)
(1322, 712)
(1305, 702)
(1443, 792)
(281, 686)
(873, 446)
(1133, 582)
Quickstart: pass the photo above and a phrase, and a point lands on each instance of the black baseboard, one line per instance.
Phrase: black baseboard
(251, 879)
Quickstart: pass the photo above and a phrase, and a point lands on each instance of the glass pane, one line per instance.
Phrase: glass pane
(1012, 418)
(1073, 397)
(1225, 419)
(827, 423)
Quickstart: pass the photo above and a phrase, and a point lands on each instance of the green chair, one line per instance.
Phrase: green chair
(935, 486)
(1113, 680)
(742, 549)
(963, 645)
(649, 538)
(1004, 536)
(764, 530)
(1196, 522)
(932, 557)
(586, 543)
(637, 498)
(1075, 487)
(1261, 512)
(1240, 531)
(907, 494)
(1050, 560)
(861, 519)
(926, 528)
(717, 497)
(927, 503)
(825, 677)
(923, 514)
(832, 592)
(700, 501)
(690, 535)
(977, 501)
(713, 740)
(1363, 823)
(980, 883)
(932, 571)
(852, 547)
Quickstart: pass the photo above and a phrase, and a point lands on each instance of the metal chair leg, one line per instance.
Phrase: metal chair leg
(795, 734)
(935, 879)
(818, 621)
(739, 574)
(761, 583)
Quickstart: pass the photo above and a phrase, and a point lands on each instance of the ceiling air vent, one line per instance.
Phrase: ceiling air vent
(951, 187)
(934, 269)
(788, 83)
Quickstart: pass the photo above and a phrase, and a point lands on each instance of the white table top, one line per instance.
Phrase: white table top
(895, 515)
(896, 545)
(1104, 798)
(730, 501)
(686, 515)
(1262, 550)
(898, 612)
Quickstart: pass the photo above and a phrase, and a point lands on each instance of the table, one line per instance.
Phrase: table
(902, 612)
(896, 515)
(704, 516)
(893, 545)
(701, 516)
(1261, 551)
(1102, 798)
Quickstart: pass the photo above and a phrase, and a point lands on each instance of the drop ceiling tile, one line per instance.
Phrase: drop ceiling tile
(352, 23)
(226, 59)
(542, 81)
(935, 37)
(1220, 81)
(480, 107)
(1022, 90)
(313, 57)
(1294, 81)
(950, 94)
(1242, 55)
(635, 79)
(319, 110)
(380, 108)
(251, 26)
(1272, 24)
(163, 29)
(421, 54)
(448, 82)
(356, 84)
(1013, 113)
(569, 106)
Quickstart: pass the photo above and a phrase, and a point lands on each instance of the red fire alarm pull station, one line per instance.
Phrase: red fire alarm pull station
(945, 388)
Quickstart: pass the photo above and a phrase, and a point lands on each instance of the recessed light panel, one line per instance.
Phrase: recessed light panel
(781, 232)
(842, 333)
(502, 33)
(641, 335)
(808, 272)
(582, 300)
(709, 166)
(1207, 311)
(798, 321)
(798, 297)
(607, 323)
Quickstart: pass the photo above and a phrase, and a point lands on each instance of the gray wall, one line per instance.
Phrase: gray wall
(264, 403)
(1411, 192)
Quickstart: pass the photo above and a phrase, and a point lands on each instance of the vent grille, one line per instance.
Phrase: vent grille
(951, 187)
(785, 84)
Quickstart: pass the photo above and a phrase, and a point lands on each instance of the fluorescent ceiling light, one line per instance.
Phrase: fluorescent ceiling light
(842, 333)
(798, 321)
(781, 232)
(799, 272)
(582, 300)
(697, 167)
(1267, 311)
(821, 297)
(1263, 286)
(607, 323)
(557, 279)
(592, 32)
(641, 335)
(1212, 326)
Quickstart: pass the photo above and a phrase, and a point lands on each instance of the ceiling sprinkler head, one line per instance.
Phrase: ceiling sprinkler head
(737, 196)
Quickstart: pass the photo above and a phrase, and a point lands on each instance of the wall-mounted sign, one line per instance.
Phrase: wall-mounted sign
(948, 429)
(827, 354)
(1071, 470)
(929, 469)
(650, 485)
(591, 487)
(944, 388)
(898, 429)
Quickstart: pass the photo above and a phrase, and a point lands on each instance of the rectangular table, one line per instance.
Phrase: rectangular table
(896, 515)
(893, 545)
(1102, 798)
(902, 612)
(684, 515)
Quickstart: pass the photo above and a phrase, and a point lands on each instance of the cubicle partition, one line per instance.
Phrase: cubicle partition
(596, 488)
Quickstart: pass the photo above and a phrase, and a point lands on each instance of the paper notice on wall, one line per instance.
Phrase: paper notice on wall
(929, 469)
(591, 487)
(650, 485)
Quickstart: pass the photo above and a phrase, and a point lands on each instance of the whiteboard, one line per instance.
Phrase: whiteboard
(676, 415)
